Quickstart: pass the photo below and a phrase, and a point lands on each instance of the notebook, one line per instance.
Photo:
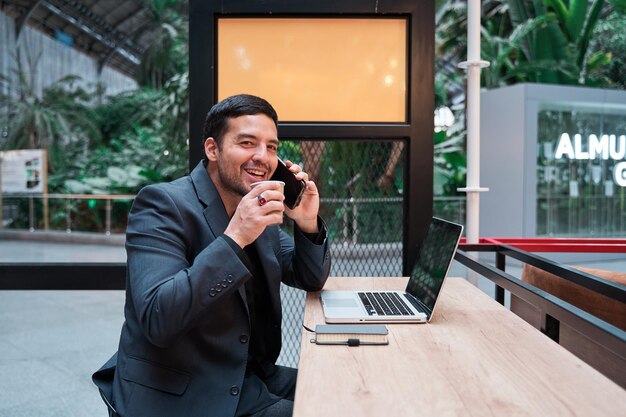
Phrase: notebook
(414, 305)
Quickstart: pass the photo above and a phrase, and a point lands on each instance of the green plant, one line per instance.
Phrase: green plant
(138, 158)
(164, 68)
(610, 35)
(130, 110)
(166, 56)
(61, 117)
(503, 51)
(175, 109)
(450, 162)
(558, 50)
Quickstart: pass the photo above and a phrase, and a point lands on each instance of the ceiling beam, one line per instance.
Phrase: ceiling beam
(117, 48)
(130, 16)
(21, 22)
(103, 39)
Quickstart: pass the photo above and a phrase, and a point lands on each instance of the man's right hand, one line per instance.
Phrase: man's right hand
(251, 218)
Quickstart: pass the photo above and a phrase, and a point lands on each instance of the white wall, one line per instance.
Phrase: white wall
(57, 60)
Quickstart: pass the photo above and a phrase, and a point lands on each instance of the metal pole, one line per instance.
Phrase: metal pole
(501, 265)
(108, 217)
(31, 215)
(473, 66)
(1, 206)
(68, 216)
(345, 222)
(44, 178)
(355, 223)
(46, 213)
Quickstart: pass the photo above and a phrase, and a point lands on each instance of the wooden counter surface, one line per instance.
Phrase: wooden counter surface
(475, 358)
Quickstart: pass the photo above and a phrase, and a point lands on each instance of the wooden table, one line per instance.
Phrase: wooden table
(475, 358)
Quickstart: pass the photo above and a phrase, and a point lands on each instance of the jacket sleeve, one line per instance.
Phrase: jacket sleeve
(169, 286)
(305, 264)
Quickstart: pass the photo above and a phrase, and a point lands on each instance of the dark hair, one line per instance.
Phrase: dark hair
(216, 123)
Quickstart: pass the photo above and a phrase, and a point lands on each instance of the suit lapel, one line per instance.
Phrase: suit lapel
(214, 211)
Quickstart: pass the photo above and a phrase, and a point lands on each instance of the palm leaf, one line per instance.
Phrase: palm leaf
(519, 10)
(590, 24)
(576, 18)
(561, 11)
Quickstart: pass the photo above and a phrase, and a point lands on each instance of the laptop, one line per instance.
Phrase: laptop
(414, 305)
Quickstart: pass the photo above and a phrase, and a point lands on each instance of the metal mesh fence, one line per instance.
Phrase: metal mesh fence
(293, 314)
(361, 185)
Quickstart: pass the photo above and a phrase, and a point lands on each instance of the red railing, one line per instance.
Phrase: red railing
(557, 244)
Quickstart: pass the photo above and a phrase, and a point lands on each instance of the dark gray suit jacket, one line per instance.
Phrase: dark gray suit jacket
(184, 344)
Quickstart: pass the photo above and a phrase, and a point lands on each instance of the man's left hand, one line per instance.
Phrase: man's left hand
(305, 214)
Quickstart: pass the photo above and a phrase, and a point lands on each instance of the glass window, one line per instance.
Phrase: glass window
(581, 173)
(320, 70)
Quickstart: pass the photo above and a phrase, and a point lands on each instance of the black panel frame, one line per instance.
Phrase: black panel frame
(417, 132)
(63, 276)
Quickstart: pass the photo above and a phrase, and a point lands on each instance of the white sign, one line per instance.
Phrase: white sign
(619, 173)
(604, 147)
(23, 171)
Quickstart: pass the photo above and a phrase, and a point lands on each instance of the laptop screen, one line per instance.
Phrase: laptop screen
(434, 258)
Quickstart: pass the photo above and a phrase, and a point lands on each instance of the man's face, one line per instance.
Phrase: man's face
(247, 155)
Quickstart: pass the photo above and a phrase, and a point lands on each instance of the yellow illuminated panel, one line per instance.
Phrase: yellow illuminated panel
(326, 70)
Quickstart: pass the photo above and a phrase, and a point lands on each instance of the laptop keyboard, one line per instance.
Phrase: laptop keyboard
(386, 304)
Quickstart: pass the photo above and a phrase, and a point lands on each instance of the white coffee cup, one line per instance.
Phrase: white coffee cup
(281, 188)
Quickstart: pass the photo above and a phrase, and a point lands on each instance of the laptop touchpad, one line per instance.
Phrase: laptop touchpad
(341, 302)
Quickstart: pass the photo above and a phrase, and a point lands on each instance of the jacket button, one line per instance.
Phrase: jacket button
(234, 390)
(212, 292)
(243, 338)
(230, 278)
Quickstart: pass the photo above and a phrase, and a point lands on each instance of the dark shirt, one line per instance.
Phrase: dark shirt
(254, 393)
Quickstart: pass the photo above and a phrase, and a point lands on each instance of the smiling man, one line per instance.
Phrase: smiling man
(206, 257)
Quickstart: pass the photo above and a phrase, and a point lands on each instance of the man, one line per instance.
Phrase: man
(205, 261)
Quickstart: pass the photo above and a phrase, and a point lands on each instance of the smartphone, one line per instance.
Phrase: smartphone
(294, 188)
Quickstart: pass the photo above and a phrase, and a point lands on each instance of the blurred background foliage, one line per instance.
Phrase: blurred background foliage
(118, 144)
